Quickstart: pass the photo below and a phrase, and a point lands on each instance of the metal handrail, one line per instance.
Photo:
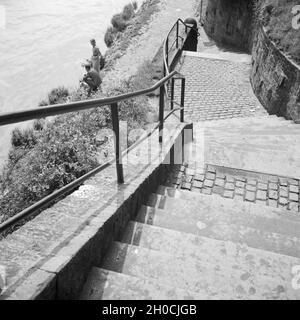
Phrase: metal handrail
(31, 114)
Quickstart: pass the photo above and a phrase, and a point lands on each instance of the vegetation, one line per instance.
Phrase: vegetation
(53, 153)
(276, 16)
(119, 23)
(118, 42)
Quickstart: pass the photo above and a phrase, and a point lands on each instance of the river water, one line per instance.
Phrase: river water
(42, 45)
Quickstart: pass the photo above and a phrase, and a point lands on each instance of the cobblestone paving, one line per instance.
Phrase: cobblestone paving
(218, 89)
(263, 189)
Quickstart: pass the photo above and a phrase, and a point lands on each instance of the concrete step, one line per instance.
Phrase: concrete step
(219, 228)
(225, 253)
(272, 120)
(188, 273)
(216, 208)
(104, 284)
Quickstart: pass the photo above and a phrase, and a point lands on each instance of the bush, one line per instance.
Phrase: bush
(118, 22)
(134, 4)
(110, 36)
(128, 12)
(58, 95)
(26, 138)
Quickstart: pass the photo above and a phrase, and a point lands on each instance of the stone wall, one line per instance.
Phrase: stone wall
(275, 79)
(229, 22)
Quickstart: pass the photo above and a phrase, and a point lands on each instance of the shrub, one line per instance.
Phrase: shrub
(110, 36)
(128, 12)
(58, 95)
(118, 22)
(134, 4)
(24, 138)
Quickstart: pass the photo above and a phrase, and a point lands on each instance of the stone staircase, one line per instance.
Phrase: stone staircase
(226, 224)
(186, 245)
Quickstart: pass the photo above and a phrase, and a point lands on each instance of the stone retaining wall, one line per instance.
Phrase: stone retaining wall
(275, 78)
(229, 22)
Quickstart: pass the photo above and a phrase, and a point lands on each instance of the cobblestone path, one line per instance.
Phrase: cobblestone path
(217, 83)
(259, 188)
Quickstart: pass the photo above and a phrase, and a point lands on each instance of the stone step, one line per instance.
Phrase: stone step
(228, 210)
(203, 221)
(250, 120)
(105, 284)
(226, 253)
(188, 273)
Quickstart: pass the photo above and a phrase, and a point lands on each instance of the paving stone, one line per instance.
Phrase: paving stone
(230, 179)
(273, 195)
(283, 191)
(186, 186)
(211, 169)
(239, 191)
(262, 186)
(210, 176)
(229, 186)
(294, 206)
(261, 195)
(293, 182)
(189, 172)
(252, 182)
(283, 181)
(218, 190)
(199, 177)
(250, 196)
(240, 178)
(240, 184)
(197, 184)
(294, 197)
(228, 194)
(250, 188)
(283, 201)
(187, 179)
(294, 189)
(219, 182)
(208, 183)
(207, 190)
(273, 186)
(239, 197)
(220, 175)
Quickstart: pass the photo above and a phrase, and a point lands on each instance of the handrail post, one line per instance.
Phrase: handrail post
(172, 93)
(167, 51)
(177, 33)
(116, 129)
(182, 99)
(161, 112)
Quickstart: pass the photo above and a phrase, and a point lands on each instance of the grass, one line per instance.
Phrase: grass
(277, 17)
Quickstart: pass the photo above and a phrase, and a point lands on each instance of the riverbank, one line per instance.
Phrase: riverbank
(63, 149)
